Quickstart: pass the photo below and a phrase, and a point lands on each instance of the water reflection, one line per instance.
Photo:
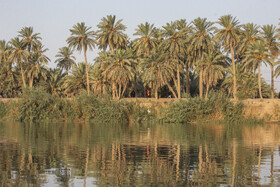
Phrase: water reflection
(109, 155)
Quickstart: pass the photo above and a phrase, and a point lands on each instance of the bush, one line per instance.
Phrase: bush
(233, 111)
(3, 110)
(37, 105)
(100, 109)
(195, 109)
(187, 111)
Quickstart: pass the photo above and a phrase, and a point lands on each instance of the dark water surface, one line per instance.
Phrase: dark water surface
(139, 155)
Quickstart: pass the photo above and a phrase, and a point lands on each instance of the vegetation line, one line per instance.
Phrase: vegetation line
(178, 60)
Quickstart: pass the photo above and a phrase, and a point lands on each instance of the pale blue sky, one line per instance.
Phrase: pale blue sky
(54, 18)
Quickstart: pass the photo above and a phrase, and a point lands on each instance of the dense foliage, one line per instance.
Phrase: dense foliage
(38, 105)
(177, 60)
(195, 109)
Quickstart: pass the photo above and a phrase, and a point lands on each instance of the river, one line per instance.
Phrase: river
(89, 154)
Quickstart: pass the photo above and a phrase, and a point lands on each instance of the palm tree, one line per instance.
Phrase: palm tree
(146, 41)
(4, 51)
(229, 36)
(65, 58)
(213, 68)
(248, 35)
(55, 80)
(82, 38)
(186, 59)
(270, 36)
(9, 80)
(174, 46)
(37, 66)
(256, 54)
(111, 34)
(78, 80)
(30, 39)
(201, 41)
(144, 44)
(18, 55)
(8, 75)
(156, 72)
(120, 70)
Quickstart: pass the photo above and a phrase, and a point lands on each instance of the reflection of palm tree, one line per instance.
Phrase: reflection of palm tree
(86, 166)
(234, 162)
(271, 166)
(259, 163)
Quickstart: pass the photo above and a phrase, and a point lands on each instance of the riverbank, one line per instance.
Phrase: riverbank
(261, 109)
(267, 110)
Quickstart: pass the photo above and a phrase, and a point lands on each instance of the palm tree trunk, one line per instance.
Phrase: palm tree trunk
(156, 91)
(31, 82)
(272, 81)
(201, 80)
(234, 72)
(201, 84)
(22, 76)
(178, 82)
(113, 90)
(187, 79)
(85, 55)
(124, 88)
(260, 82)
(135, 86)
(171, 89)
(120, 91)
(207, 90)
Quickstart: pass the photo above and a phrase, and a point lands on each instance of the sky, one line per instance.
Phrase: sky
(53, 18)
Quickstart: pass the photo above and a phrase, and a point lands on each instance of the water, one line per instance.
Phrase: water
(139, 155)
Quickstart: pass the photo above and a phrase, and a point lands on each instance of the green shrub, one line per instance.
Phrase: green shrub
(37, 105)
(3, 110)
(233, 111)
(187, 111)
(100, 109)
(195, 109)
